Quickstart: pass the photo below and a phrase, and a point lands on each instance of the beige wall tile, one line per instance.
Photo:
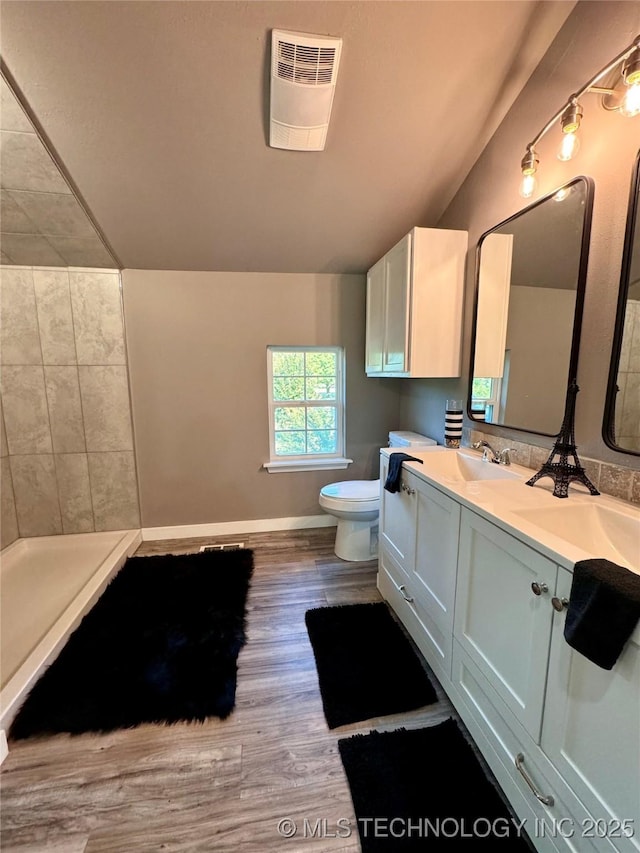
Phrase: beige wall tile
(74, 491)
(635, 487)
(13, 219)
(114, 491)
(4, 450)
(36, 494)
(83, 251)
(20, 341)
(53, 303)
(65, 409)
(8, 518)
(97, 317)
(54, 213)
(105, 405)
(615, 480)
(13, 116)
(26, 164)
(31, 249)
(26, 417)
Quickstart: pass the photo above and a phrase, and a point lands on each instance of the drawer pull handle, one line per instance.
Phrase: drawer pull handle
(559, 603)
(539, 588)
(545, 800)
(404, 595)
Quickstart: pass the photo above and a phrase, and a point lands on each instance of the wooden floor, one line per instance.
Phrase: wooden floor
(222, 785)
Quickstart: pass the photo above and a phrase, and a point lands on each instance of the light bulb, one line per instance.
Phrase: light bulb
(528, 185)
(569, 146)
(630, 105)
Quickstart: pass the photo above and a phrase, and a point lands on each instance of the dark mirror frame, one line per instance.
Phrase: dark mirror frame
(608, 421)
(580, 291)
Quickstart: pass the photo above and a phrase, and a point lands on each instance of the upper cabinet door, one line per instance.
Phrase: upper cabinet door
(397, 265)
(375, 318)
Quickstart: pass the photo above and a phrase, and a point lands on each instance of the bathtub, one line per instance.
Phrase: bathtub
(47, 584)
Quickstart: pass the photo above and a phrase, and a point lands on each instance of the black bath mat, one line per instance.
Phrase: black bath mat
(426, 790)
(159, 646)
(366, 666)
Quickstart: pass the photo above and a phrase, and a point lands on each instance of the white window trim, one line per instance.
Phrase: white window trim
(308, 462)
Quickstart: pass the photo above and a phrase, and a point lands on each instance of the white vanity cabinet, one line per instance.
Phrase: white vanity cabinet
(501, 623)
(414, 306)
(418, 552)
(561, 735)
(591, 729)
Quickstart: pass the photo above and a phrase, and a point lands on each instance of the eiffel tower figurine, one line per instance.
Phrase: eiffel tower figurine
(562, 471)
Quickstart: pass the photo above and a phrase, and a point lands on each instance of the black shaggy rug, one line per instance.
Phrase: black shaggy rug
(426, 790)
(366, 665)
(159, 646)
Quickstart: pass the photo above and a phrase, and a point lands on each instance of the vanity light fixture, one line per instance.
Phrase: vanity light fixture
(623, 96)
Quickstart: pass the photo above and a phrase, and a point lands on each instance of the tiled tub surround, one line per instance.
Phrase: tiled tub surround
(615, 480)
(67, 447)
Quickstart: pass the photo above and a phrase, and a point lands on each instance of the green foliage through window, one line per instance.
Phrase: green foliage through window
(306, 404)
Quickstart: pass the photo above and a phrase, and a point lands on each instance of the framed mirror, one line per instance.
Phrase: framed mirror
(621, 425)
(531, 273)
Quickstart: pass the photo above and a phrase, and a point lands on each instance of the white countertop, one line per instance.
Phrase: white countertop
(500, 501)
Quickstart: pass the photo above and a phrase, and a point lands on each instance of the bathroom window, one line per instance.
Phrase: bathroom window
(485, 397)
(306, 408)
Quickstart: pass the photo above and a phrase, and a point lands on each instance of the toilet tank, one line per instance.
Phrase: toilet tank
(403, 438)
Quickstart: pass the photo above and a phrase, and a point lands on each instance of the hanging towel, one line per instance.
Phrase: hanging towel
(392, 483)
(603, 610)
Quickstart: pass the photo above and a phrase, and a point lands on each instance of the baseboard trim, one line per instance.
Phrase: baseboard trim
(222, 528)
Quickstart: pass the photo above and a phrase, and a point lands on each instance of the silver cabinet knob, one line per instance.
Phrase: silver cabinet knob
(559, 603)
(539, 588)
(407, 489)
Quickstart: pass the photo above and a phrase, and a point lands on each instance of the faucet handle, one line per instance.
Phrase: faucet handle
(504, 456)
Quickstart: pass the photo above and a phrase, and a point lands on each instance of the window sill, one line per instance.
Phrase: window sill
(286, 466)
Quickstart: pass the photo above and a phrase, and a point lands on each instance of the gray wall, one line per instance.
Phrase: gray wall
(593, 34)
(197, 358)
(67, 448)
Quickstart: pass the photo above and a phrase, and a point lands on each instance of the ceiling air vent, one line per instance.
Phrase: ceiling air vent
(304, 69)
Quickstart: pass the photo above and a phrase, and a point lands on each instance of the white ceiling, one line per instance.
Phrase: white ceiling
(158, 111)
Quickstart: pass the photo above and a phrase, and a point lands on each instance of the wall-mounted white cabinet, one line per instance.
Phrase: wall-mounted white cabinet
(414, 306)
(561, 735)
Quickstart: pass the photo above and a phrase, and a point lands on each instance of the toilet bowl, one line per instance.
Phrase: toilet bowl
(356, 505)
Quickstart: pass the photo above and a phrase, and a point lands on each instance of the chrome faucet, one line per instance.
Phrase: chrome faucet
(502, 457)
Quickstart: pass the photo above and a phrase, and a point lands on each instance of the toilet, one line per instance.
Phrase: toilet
(356, 505)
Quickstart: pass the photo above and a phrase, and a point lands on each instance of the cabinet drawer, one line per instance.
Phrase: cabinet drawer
(434, 644)
(562, 825)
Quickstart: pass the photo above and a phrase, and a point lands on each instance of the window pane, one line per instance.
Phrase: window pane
(322, 441)
(322, 417)
(288, 388)
(290, 443)
(321, 363)
(288, 363)
(321, 388)
(481, 389)
(289, 418)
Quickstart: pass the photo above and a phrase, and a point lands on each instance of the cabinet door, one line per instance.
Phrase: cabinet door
(397, 274)
(375, 318)
(502, 625)
(436, 559)
(591, 730)
(397, 526)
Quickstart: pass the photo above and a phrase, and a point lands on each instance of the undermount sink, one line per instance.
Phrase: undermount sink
(600, 530)
(458, 466)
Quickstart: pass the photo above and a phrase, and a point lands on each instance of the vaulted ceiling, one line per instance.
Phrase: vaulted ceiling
(158, 112)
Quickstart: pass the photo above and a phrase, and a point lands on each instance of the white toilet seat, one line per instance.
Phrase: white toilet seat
(351, 495)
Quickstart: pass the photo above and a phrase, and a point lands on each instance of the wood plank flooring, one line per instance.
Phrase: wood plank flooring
(221, 785)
